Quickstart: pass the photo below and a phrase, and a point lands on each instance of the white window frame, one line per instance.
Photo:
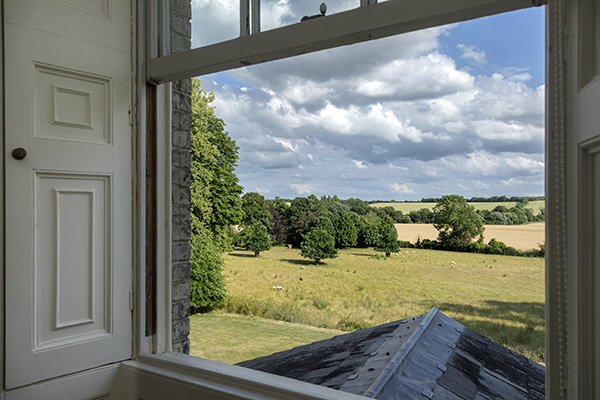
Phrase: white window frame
(370, 21)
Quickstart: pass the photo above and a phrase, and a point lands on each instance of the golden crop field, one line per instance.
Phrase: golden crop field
(521, 237)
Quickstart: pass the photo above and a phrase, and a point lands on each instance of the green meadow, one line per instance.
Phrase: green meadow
(501, 297)
(406, 208)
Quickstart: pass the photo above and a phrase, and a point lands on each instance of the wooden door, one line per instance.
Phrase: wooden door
(69, 199)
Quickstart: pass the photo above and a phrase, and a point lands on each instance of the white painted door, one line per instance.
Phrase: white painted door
(69, 200)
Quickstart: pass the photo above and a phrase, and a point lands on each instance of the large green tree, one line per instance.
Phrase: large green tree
(457, 222)
(215, 186)
(215, 198)
(369, 233)
(257, 239)
(387, 240)
(346, 231)
(256, 210)
(317, 245)
(203, 157)
(301, 215)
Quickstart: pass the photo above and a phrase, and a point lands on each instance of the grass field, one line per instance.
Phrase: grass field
(408, 207)
(268, 336)
(522, 237)
(361, 288)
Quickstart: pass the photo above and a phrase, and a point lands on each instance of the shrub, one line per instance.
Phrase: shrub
(496, 247)
(207, 286)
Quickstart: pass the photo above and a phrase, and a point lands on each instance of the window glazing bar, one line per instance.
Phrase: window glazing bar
(244, 17)
(255, 16)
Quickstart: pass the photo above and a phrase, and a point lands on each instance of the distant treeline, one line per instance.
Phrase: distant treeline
(492, 199)
(500, 215)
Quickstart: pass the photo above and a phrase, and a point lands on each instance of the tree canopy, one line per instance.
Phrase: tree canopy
(215, 198)
(256, 210)
(257, 239)
(215, 189)
(387, 240)
(457, 222)
(317, 245)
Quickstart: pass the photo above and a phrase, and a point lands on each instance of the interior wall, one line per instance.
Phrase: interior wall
(180, 37)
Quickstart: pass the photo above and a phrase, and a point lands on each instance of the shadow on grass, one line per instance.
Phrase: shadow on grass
(301, 262)
(362, 254)
(491, 320)
(241, 255)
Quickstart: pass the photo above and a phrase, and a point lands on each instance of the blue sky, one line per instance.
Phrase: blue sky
(455, 109)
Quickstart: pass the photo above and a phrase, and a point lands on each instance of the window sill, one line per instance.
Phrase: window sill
(181, 375)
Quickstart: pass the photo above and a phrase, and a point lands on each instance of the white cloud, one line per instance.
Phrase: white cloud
(359, 164)
(399, 106)
(401, 188)
(473, 53)
(303, 189)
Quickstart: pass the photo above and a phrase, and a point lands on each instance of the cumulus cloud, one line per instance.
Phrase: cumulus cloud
(357, 120)
(401, 188)
(473, 53)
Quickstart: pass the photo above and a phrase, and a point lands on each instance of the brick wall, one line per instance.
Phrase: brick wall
(181, 13)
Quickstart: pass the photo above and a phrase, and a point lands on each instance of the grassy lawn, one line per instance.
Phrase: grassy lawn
(231, 338)
(360, 289)
(408, 207)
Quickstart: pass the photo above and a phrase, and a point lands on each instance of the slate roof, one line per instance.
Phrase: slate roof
(429, 356)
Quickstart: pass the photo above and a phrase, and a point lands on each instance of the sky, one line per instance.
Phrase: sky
(457, 109)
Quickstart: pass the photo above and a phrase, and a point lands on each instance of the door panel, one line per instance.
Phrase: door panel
(69, 201)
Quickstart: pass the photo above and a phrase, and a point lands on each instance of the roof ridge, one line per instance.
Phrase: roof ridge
(401, 356)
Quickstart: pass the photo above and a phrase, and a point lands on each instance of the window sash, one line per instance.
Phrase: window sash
(367, 22)
(371, 21)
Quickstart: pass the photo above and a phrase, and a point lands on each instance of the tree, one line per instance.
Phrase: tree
(278, 226)
(255, 210)
(369, 233)
(457, 222)
(257, 239)
(215, 202)
(203, 156)
(346, 231)
(207, 286)
(388, 237)
(317, 245)
(300, 216)
(214, 160)
(323, 221)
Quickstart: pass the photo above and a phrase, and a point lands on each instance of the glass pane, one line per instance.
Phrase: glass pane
(277, 13)
(214, 21)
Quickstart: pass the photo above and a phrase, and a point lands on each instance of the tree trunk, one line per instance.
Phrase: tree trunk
(317, 261)
(256, 254)
(388, 254)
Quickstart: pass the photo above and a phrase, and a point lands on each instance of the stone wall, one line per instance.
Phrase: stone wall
(181, 14)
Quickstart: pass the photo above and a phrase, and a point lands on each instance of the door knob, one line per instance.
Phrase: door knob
(19, 153)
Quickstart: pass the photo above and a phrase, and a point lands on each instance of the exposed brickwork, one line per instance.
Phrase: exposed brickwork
(181, 13)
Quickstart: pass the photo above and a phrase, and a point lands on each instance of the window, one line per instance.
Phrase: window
(378, 20)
